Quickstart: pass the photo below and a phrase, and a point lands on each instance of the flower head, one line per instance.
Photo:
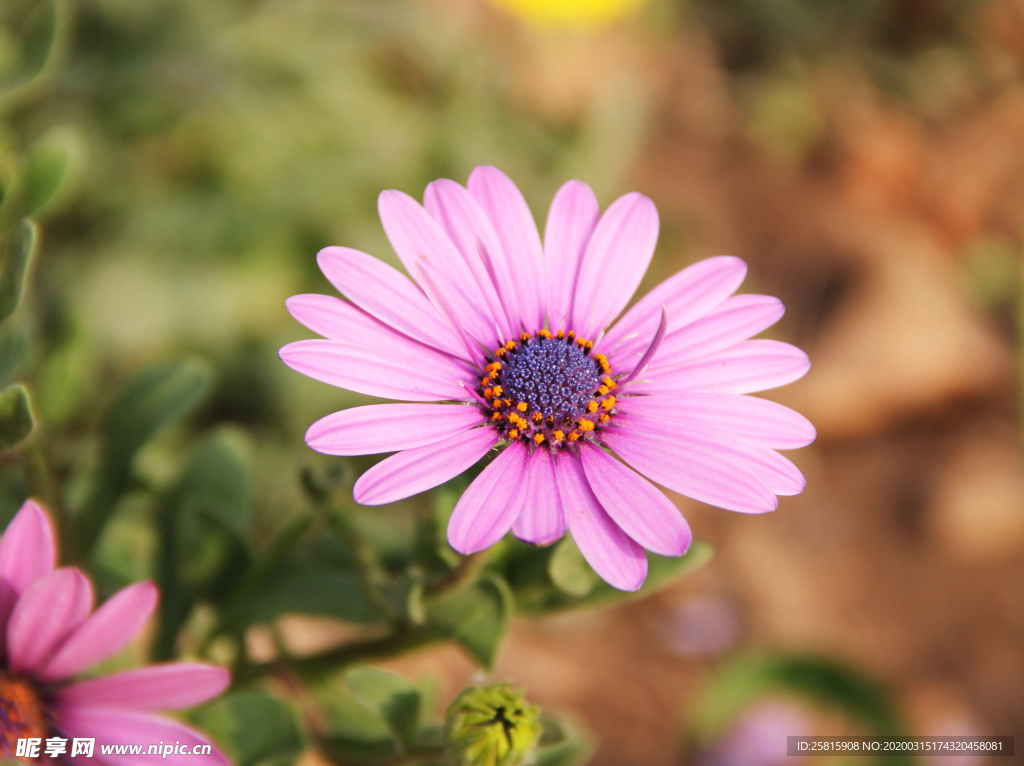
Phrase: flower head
(50, 633)
(500, 340)
(491, 726)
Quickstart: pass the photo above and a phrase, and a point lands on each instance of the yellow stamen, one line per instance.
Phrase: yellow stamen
(539, 438)
(605, 417)
(603, 390)
(559, 435)
(561, 334)
(537, 417)
(513, 434)
(488, 393)
(591, 406)
(586, 425)
(496, 402)
(610, 383)
(521, 406)
(573, 436)
(496, 416)
(544, 334)
(524, 336)
(608, 403)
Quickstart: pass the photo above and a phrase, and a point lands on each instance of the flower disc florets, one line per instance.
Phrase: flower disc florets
(548, 388)
(21, 713)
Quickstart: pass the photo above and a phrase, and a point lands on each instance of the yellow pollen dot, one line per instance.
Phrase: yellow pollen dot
(581, 342)
(608, 403)
(602, 390)
(539, 438)
(493, 367)
(524, 336)
(485, 381)
(488, 393)
(508, 402)
(513, 434)
(591, 406)
(573, 436)
(510, 345)
(571, 334)
(586, 425)
(497, 390)
(521, 406)
(493, 376)
(559, 435)
(496, 416)
(544, 333)
(500, 351)
(561, 334)
(600, 357)
(496, 402)
(610, 383)
(537, 417)
(605, 417)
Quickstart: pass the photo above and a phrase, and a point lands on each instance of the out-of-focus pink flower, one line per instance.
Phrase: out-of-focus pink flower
(502, 339)
(49, 633)
(758, 738)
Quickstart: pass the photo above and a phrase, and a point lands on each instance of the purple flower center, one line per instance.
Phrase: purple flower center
(548, 388)
(552, 376)
(21, 713)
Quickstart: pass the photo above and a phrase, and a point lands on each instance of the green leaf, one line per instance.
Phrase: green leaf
(51, 165)
(539, 595)
(252, 726)
(563, 745)
(20, 246)
(43, 41)
(16, 419)
(333, 593)
(393, 697)
(143, 404)
(356, 734)
(569, 571)
(822, 682)
(476, 617)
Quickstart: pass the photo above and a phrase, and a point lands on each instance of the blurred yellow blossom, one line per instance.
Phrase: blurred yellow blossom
(582, 13)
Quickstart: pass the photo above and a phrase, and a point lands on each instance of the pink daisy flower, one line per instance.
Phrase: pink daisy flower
(502, 340)
(49, 633)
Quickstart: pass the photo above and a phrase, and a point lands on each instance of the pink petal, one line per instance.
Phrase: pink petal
(490, 505)
(47, 612)
(763, 421)
(686, 296)
(27, 552)
(467, 225)
(105, 633)
(639, 508)
(431, 376)
(171, 686)
(614, 263)
(346, 323)
(388, 295)
(379, 428)
(614, 556)
(520, 242)
(690, 466)
(418, 238)
(417, 470)
(574, 214)
(124, 727)
(751, 365)
(541, 522)
(737, 319)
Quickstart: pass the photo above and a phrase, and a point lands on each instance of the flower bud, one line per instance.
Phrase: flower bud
(491, 726)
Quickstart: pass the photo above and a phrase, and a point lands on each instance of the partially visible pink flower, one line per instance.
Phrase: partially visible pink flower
(49, 633)
(759, 737)
(502, 340)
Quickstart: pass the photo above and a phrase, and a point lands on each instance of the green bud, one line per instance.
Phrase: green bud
(491, 726)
